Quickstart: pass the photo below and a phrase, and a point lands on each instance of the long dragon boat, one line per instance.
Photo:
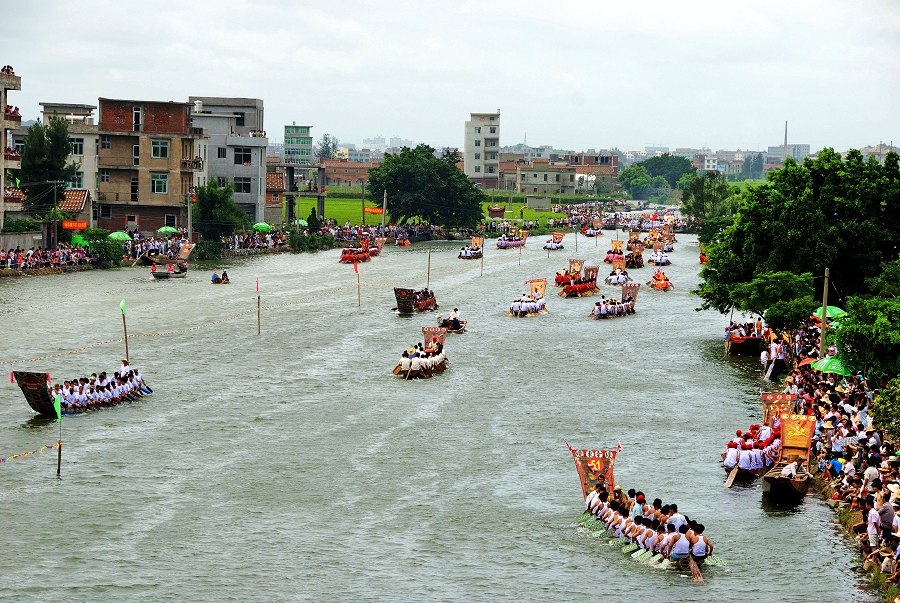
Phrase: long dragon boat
(615, 253)
(533, 305)
(425, 367)
(555, 242)
(410, 301)
(517, 239)
(660, 282)
(584, 282)
(597, 466)
(34, 388)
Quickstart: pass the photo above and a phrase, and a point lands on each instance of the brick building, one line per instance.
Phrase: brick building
(347, 173)
(150, 159)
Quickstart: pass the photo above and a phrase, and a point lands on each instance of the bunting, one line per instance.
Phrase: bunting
(28, 453)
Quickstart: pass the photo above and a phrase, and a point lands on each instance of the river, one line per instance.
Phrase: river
(292, 466)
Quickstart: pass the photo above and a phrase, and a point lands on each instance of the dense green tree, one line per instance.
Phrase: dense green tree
(868, 336)
(109, 253)
(216, 214)
(313, 223)
(637, 181)
(45, 159)
(706, 197)
(328, 146)
(753, 167)
(783, 299)
(886, 409)
(418, 184)
(887, 284)
(829, 212)
(669, 167)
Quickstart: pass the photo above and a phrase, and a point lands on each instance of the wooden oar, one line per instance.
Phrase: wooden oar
(731, 477)
(696, 576)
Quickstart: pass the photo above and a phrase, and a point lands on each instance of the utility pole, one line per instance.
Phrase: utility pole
(824, 315)
(384, 208)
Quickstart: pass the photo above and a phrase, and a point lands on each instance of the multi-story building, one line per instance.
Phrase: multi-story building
(339, 172)
(236, 149)
(482, 149)
(543, 178)
(149, 162)
(10, 158)
(705, 162)
(298, 145)
(84, 138)
(359, 155)
(798, 152)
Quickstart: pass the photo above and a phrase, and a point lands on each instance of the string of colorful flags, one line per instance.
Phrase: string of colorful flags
(28, 453)
(320, 294)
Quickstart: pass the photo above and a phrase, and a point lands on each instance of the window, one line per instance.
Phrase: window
(77, 146)
(220, 152)
(131, 221)
(105, 142)
(77, 180)
(134, 189)
(490, 169)
(170, 220)
(545, 177)
(477, 143)
(493, 129)
(557, 177)
(159, 149)
(136, 154)
(571, 177)
(243, 155)
(159, 184)
(478, 130)
(240, 118)
(477, 155)
(493, 118)
(136, 118)
(222, 181)
(242, 185)
(106, 211)
(477, 168)
(104, 174)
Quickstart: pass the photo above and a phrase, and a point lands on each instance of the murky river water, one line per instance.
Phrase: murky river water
(292, 466)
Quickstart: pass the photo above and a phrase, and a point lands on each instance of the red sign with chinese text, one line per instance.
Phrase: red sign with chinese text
(73, 225)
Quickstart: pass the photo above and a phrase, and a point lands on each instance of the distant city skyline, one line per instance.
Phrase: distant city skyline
(664, 74)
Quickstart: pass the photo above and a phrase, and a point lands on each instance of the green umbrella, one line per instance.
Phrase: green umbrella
(262, 227)
(80, 240)
(119, 236)
(830, 312)
(166, 229)
(301, 222)
(830, 364)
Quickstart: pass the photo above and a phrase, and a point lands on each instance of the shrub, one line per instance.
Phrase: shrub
(208, 250)
(21, 225)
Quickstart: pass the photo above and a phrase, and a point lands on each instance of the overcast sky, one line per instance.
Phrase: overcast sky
(570, 74)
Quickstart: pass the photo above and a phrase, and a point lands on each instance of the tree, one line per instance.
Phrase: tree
(44, 159)
(886, 409)
(637, 181)
(328, 146)
(829, 212)
(868, 336)
(887, 284)
(783, 299)
(216, 214)
(433, 188)
(705, 197)
(108, 252)
(312, 221)
(670, 167)
(753, 167)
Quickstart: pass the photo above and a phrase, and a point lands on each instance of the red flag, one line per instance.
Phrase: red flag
(356, 267)
(618, 447)
(257, 284)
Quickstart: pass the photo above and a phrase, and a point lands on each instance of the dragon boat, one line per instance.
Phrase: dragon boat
(428, 366)
(555, 242)
(517, 239)
(797, 433)
(180, 271)
(660, 282)
(577, 282)
(34, 388)
(410, 301)
(475, 250)
(736, 345)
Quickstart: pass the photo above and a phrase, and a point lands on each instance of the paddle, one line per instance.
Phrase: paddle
(696, 576)
(731, 477)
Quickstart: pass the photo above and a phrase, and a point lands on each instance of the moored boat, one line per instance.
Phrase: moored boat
(788, 480)
(750, 345)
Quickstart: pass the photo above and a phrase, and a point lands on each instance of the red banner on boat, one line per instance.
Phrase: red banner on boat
(434, 334)
(594, 466)
(374, 210)
(796, 434)
(557, 237)
(776, 405)
(537, 285)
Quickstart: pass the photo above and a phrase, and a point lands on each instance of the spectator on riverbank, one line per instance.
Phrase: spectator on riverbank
(37, 258)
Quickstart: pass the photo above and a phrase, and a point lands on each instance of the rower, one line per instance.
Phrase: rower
(702, 546)
(682, 546)
(225, 277)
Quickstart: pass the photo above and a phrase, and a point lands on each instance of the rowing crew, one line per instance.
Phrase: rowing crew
(100, 390)
(525, 305)
(418, 357)
(752, 451)
(655, 528)
(660, 258)
(552, 245)
(610, 308)
(470, 252)
(618, 277)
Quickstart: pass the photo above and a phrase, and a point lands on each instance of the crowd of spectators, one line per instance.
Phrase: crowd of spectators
(35, 258)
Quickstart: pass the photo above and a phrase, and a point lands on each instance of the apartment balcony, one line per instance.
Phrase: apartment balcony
(12, 160)
(246, 141)
(192, 165)
(10, 81)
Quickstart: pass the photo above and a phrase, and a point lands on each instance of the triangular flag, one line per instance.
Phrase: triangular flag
(618, 447)
(355, 267)
(57, 406)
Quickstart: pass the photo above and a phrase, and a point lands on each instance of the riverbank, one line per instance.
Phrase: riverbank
(847, 518)
(45, 271)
